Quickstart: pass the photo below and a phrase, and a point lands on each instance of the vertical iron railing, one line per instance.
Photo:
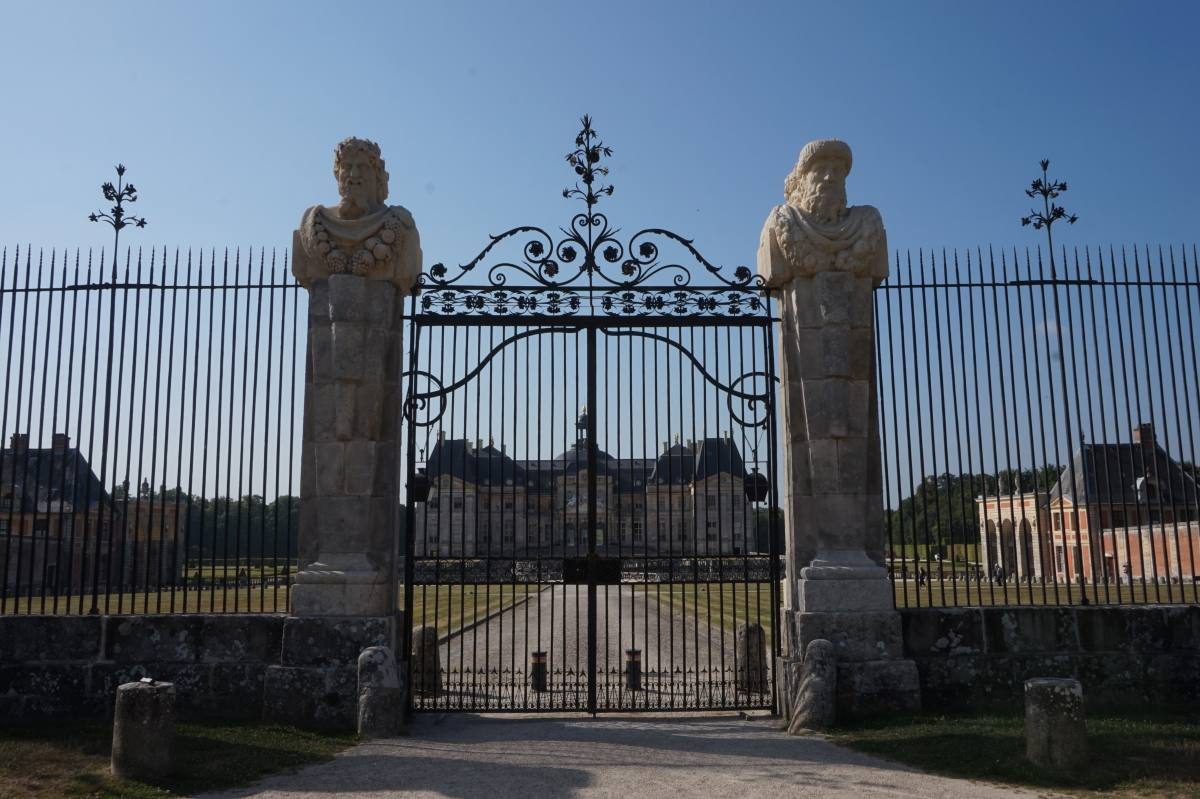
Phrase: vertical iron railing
(1040, 428)
(149, 455)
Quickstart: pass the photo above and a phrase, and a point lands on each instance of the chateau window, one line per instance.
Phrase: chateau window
(710, 501)
(1058, 521)
(457, 504)
(41, 528)
(637, 531)
(508, 504)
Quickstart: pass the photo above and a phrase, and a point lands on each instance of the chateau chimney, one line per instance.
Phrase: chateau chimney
(503, 448)
(1144, 434)
(19, 442)
(61, 442)
(478, 444)
(666, 446)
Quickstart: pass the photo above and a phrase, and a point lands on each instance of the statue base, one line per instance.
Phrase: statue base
(847, 599)
(324, 590)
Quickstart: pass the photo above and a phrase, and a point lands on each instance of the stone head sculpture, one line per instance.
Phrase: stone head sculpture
(361, 176)
(817, 184)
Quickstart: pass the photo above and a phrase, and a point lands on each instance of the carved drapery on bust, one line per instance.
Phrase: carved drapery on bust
(824, 259)
(361, 235)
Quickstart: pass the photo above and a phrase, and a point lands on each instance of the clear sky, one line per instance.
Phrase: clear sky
(226, 114)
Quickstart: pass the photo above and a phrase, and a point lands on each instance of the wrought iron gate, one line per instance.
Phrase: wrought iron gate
(591, 474)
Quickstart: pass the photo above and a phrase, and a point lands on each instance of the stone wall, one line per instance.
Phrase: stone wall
(297, 670)
(979, 657)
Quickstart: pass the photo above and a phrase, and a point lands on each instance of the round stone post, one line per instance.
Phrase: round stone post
(1055, 727)
(143, 744)
(426, 677)
(358, 259)
(751, 652)
(823, 259)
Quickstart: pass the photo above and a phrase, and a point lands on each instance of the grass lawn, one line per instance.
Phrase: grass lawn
(71, 758)
(908, 594)
(726, 604)
(1131, 754)
(449, 607)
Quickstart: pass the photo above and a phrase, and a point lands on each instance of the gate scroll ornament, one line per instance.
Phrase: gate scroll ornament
(565, 271)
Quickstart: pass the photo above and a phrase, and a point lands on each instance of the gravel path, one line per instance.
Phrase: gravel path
(684, 659)
(692, 755)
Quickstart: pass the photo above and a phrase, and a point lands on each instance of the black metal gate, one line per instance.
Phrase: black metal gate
(591, 518)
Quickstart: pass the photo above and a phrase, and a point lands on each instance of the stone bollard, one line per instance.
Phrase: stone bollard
(1055, 729)
(380, 695)
(143, 744)
(426, 675)
(751, 653)
(816, 700)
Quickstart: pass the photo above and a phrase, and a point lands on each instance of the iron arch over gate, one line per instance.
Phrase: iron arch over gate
(591, 461)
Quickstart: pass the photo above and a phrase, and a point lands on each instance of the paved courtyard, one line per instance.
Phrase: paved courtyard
(694, 755)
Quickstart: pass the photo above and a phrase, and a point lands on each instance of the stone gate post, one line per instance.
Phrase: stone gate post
(358, 260)
(824, 259)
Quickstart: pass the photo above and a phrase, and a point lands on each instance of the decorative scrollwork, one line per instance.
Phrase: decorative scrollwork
(559, 273)
(754, 403)
(417, 405)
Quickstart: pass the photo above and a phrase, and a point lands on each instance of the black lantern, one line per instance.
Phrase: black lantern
(418, 487)
(756, 486)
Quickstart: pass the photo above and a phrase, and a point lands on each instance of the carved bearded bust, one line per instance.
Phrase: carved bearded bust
(361, 235)
(814, 231)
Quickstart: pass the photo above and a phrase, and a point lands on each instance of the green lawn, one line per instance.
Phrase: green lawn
(70, 758)
(449, 608)
(1131, 754)
(727, 604)
(948, 593)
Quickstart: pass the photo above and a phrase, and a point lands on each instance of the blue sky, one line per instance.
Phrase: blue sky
(226, 114)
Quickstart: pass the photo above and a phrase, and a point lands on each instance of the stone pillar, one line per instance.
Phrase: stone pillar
(143, 744)
(1055, 729)
(359, 259)
(349, 490)
(824, 258)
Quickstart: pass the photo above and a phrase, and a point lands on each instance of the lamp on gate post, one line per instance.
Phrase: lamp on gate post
(1052, 212)
(117, 218)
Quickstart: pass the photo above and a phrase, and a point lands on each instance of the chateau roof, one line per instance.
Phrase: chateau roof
(679, 465)
(1121, 474)
(57, 478)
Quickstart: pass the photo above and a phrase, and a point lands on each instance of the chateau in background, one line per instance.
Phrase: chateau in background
(1139, 518)
(61, 520)
(690, 500)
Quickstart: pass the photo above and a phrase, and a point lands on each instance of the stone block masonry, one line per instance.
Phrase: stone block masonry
(297, 670)
(1124, 656)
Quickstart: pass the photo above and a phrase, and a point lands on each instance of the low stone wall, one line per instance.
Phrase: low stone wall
(979, 657)
(298, 670)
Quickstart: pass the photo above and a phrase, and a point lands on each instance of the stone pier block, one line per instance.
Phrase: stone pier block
(143, 745)
(1055, 727)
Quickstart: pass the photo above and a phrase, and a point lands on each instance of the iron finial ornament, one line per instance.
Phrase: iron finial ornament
(585, 265)
(116, 216)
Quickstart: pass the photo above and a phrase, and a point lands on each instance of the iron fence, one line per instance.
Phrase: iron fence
(150, 417)
(1040, 426)
(149, 420)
